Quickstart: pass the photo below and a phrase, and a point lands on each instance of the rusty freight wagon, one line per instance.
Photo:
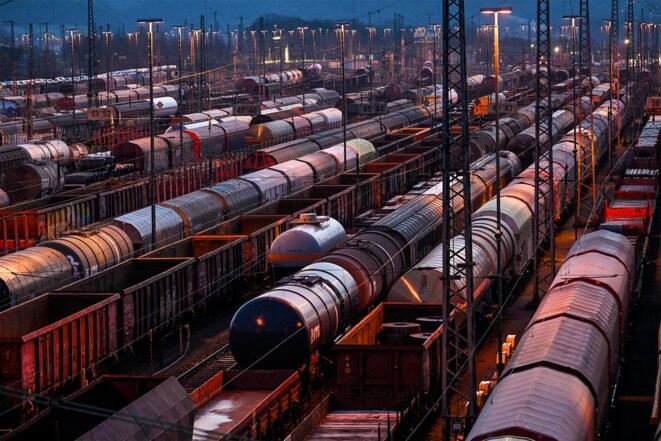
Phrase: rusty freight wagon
(56, 339)
(220, 264)
(248, 404)
(261, 231)
(390, 357)
(29, 223)
(154, 294)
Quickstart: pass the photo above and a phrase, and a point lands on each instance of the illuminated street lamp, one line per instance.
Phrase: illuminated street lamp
(107, 34)
(499, 288)
(372, 32)
(341, 26)
(523, 45)
(278, 38)
(152, 176)
(72, 31)
(302, 29)
(611, 75)
(181, 128)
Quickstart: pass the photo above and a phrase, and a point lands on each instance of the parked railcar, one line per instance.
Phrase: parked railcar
(179, 282)
(347, 281)
(574, 350)
(311, 237)
(562, 120)
(27, 273)
(252, 84)
(517, 204)
(236, 197)
(36, 359)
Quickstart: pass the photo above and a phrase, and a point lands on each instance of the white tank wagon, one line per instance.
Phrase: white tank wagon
(310, 238)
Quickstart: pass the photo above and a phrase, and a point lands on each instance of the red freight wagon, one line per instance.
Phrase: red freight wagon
(154, 293)
(376, 368)
(219, 264)
(55, 338)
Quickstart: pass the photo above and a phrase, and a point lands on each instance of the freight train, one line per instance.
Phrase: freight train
(421, 284)
(568, 356)
(129, 120)
(95, 248)
(175, 286)
(118, 93)
(38, 151)
(290, 322)
(208, 140)
(371, 262)
(239, 196)
(253, 84)
(370, 129)
(164, 288)
(129, 109)
(575, 340)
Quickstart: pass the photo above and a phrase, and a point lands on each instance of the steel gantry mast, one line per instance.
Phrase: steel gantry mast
(457, 259)
(587, 182)
(614, 77)
(28, 92)
(91, 55)
(640, 54)
(629, 42)
(544, 197)
(204, 75)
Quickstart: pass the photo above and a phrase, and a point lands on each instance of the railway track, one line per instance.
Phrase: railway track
(204, 370)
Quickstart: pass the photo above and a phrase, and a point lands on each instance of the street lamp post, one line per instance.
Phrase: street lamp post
(371, 30)
(435, 28)
(73, 92)
(314, 45)
(128, 50)
(499, 281)
(137, 61)
(152, 176)
(342, 25)
(181, 128)
(46, 35)
(107, 34)
(278, 38)
(302, 30)
(523, 46)
(611, 60)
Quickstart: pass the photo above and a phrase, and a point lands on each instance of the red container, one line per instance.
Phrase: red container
(338, 201)
(368, 189)
(259, 400)
(122, 197)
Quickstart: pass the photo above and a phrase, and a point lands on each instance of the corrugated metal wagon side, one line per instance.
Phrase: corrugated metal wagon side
(261, 231)
(219, 264)
(55, 338)
(155, 293)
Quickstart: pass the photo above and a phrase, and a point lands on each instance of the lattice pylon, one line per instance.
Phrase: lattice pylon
(457, 343)
(588, 202)
(92, 91)
(544, 189)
